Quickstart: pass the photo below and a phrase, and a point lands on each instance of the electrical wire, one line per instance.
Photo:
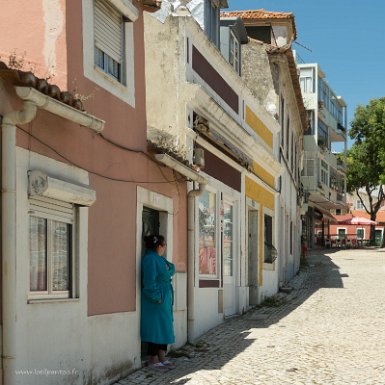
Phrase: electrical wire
(97, 173)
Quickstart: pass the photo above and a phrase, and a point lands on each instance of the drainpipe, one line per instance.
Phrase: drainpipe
(191, 259)
(8, 201)
(33, 99)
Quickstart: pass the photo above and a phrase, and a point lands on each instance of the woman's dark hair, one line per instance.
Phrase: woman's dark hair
(153, 241)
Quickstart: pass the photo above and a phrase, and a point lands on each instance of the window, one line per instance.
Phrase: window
(270, 253)
(108, 46)
(360, 233)
(207, 234)
(309, 167)
(51, 245)
(324, 177)
(323, 137)
(212, 20)
(228, 240)
(261, 33)
(307, 80)
(234, 52)
(359, 205)
(109, 39)
(341, 233)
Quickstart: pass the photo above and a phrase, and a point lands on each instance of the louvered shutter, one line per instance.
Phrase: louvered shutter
(52, 209)
(108, 30)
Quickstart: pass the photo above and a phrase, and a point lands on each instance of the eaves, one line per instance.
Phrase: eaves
(222, 125)
(214, 56)
(292, 67)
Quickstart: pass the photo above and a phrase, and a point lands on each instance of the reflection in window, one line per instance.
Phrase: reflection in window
(49, 255)
(207, 231)
(228, 240)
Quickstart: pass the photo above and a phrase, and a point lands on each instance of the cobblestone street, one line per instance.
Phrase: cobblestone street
(329, 330)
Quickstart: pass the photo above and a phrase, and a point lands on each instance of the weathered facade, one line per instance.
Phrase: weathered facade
(269, 70)
(79, 188)
(208, 107)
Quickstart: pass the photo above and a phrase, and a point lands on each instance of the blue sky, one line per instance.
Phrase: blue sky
(346, 37)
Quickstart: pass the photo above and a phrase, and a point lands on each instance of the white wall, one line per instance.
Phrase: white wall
(58, 335)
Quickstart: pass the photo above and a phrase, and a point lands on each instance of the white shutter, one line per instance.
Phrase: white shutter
(51, 209)
(108, 29)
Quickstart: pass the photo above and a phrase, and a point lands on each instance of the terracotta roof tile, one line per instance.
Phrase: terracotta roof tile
(28, 79)
(258, 14)
(380, 218)
(251, 16)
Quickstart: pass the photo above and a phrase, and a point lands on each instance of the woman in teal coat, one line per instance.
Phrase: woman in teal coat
(157, 322)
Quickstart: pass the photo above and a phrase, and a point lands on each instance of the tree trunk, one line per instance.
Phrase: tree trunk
(372, 230)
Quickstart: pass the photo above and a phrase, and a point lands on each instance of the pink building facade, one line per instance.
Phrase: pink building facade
(79, 189)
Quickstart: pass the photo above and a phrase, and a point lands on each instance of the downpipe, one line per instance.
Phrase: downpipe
(8, 202)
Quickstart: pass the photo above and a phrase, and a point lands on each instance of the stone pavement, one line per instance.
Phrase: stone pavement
(330, 330)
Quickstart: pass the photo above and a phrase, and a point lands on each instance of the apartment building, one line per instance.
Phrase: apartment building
(325, 142)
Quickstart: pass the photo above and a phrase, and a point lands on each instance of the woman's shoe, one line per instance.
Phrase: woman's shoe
(169, 364)
(159, 366)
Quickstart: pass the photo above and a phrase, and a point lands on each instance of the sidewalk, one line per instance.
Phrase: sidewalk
(208, 353)
(328, 331)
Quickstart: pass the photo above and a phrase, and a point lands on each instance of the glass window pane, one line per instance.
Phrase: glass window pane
(207, 231)
(61, 233)
(228, 240)
(99, 58)
(360, 233)
(38, 254)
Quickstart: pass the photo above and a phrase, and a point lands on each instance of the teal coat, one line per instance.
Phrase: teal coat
(157, 321)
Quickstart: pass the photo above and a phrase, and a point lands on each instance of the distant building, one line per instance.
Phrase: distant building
(324, 173)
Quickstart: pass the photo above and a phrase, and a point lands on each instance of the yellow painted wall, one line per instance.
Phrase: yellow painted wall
(263, 174)
(259, 128)
(259, 194)
(265, 198)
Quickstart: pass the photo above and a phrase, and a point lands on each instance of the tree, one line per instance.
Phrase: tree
(366, 158)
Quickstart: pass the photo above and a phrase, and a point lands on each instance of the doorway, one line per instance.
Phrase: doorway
(150, 224)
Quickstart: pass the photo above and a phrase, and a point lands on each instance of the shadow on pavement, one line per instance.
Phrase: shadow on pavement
(221, 344)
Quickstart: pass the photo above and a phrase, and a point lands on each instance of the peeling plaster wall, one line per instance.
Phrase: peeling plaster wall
(53, 27)
(165, 79)
(256, 73)
(34, 31)
(289, 262)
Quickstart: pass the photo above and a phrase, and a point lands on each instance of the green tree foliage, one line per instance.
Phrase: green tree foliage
(366, 158)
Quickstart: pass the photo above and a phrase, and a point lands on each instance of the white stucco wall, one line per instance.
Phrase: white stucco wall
(58, 335)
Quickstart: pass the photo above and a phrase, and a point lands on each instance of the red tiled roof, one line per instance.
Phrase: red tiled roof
(251, 16)
(28, 79)
(361, 213)
(343, 217)
(258, 14)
